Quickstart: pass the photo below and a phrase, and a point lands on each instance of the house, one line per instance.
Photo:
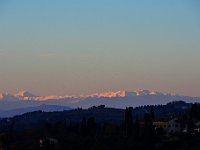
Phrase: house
(48, 141)
(196, 126)
(159, 124)
(174, 125)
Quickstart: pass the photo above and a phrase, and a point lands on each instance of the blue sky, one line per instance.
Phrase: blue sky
(80, 47)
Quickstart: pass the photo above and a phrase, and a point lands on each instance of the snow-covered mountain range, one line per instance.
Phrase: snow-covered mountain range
(25, 95)
(118, 99)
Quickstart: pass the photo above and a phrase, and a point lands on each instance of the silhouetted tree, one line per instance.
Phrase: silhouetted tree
(4, 140)
(195, 111)
(128, 121)
(136, 129)
(91, 126)
(152, 114)
(148, 131)
(190, 128)
(83, 127)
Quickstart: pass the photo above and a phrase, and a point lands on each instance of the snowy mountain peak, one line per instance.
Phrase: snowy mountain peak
(24, 94)
(7, 96)
(126, 93)
(109, 94)
(147, 92)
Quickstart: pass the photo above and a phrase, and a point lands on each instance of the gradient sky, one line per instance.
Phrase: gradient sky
(84, 46)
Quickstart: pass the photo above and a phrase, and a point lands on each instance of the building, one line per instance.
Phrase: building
(174, 125)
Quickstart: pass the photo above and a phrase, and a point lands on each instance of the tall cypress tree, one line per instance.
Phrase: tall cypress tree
(91, 126)
(147, 125)
(152, 114)
(83, 127)
(137, 128)
(190, 128)
(128, 121)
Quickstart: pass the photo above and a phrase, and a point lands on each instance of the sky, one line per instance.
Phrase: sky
(58, 47)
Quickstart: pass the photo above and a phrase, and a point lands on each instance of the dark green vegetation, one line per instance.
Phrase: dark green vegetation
(100, 128)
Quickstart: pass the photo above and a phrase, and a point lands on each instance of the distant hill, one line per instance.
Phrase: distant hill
(44, 108)
(101, 114)
(170, 109)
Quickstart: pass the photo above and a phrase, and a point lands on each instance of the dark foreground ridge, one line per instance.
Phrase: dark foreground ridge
(175, 125)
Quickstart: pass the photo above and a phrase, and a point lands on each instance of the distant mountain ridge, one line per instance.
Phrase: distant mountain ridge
(43, 107)
(25, 95)
(118, 99)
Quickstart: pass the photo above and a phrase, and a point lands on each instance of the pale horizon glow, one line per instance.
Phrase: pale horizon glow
(78, 47)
